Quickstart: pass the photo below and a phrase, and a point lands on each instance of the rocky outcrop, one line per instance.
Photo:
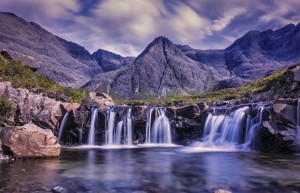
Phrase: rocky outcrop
(41, 110)
(29, 141)
(188, 122)
(110, 61)
(286, 110)
(100, 99)
(160, 70)
(278, 132)
(67, 63)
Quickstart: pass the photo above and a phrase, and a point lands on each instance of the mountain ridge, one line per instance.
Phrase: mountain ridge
(162, 69)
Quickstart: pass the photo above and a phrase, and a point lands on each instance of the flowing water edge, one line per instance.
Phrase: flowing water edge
(92, 169)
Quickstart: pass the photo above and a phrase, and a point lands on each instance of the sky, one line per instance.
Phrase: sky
(126, 27)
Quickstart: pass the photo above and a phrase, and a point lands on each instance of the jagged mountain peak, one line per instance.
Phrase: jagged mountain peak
(160, 45)
(110, 61)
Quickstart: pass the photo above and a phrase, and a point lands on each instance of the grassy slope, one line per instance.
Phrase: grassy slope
(275, 82)
(23, 77)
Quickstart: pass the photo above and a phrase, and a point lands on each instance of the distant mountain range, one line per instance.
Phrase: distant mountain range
(162, 69)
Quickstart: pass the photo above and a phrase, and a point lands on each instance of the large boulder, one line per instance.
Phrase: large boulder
(43, 111)
(186, 121)
(29, 141)
(286, 110)
(278, 132)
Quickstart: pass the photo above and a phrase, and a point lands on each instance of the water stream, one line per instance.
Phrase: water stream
(119, 127)
(62, 126)
(232, 127)
(298, 123)
(94, 118)
(158, 127)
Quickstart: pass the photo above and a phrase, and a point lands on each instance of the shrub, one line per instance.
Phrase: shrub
(5, 109)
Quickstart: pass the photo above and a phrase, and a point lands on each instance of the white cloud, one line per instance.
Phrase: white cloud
(280, 12)
(221, 23)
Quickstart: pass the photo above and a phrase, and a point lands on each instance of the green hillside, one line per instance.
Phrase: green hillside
(23, 77)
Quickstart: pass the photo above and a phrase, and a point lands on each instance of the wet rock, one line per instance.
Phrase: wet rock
(190, 111)
(286, 110)
(43, 111)
(278, 132)
(29, 141)
(188, 122)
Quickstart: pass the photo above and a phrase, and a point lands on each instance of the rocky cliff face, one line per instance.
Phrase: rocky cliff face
(279, 131)
(43, 111)
(66, 63)
(167, 69)
(254, 55)
(160, 70)
(109, 61)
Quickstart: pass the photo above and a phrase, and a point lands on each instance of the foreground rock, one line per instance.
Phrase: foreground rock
(29, 141)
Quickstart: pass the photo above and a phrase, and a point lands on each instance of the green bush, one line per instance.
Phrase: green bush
(5, 109)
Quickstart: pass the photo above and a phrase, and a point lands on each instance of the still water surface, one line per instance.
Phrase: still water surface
(142, 170)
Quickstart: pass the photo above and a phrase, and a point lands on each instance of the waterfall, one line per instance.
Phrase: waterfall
(234, 128)
(128, 130)
(110, 126)
(94, 118)
(62, 126)
(158, 132)
(298, 123)
(122, 133)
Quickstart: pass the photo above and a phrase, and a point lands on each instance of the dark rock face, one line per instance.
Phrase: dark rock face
(188, 122)
(278, 132)
(64, 62)
(160, 70)
(29, 141)
(109, 61)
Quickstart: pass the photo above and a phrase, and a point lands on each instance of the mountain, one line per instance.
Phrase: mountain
(160, 70)
(110, 61)
(165, 69)
(67, 63)
(254, 55)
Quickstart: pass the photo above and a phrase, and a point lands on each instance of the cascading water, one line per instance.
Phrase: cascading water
(298, 123)
(158, 130)
(94, 118)
(122, 130)
(233, 129)
(62, 126)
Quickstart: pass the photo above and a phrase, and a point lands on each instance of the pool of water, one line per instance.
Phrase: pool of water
(163, 169)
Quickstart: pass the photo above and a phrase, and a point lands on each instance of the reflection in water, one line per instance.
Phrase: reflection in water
(153, 170)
